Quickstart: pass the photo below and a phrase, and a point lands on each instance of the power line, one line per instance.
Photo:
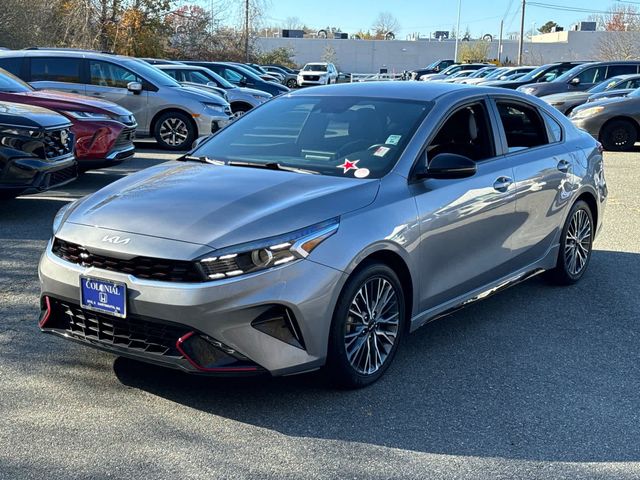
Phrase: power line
(564, 8)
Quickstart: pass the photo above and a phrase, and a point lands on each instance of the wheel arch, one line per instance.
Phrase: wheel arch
(154, 120)
(395, 260)
(590, 199)
(240, 103)
(624, 118)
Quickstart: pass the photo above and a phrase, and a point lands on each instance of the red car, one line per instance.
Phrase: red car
(104, 131)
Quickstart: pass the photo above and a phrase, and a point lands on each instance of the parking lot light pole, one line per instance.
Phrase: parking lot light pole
(521, 40)
(455, 55)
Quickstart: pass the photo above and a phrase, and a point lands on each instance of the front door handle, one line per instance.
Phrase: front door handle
(563, 166)
(502, 184)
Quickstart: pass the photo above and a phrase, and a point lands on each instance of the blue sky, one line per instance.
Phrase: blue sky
(425, 16)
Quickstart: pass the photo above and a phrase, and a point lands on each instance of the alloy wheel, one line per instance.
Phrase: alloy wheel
(174, 131)
(372, 325)
(578, 242)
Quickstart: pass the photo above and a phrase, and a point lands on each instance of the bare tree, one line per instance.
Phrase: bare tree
(385, 23)
(619, 46)
(293, 23)
(476, 51)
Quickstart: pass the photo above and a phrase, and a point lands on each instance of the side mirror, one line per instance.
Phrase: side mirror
(243, 82)
(134, 87)
(212, 84)
(449, 166)
(574, 81)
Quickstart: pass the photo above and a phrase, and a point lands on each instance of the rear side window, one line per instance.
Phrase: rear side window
(523, 126)
(635, 83)
(106, 74)
(52, 69)
(12, 65)
(621, 70)
(554, 128)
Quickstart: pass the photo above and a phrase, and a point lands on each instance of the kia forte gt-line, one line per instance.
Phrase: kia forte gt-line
(322, 227)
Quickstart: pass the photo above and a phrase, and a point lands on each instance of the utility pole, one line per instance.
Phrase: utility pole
(455, 55)
(521, 40)
(500, 42)
(246, 30)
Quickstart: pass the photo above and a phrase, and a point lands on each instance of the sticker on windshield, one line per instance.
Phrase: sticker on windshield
(381, 151)
(348, 165)
(361, 173)
(393, 139)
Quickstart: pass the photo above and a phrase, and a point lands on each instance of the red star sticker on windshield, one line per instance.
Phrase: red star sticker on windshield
(348, 165)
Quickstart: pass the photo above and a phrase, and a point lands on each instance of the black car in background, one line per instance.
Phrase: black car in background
(543, 74)
(36, 150)
(435, 67)
(241, 76)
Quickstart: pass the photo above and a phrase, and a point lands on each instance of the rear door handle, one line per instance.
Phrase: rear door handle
(502, 184)
(563, 166)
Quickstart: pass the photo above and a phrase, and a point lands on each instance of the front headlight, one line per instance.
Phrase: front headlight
(60, 217)
(87, 115)
(528, 90)
(268, 253)
(587, 112)
(214, 107)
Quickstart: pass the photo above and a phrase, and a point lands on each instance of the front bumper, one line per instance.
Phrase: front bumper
(222, 311)
(33, 175)
(305, 81)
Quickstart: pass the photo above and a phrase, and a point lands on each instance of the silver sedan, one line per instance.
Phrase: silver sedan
(318, 230)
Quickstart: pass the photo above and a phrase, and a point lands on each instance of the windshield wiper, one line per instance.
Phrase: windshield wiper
(201, 159)
(271, 166)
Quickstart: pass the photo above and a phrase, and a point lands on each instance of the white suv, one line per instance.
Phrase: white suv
(321, 73)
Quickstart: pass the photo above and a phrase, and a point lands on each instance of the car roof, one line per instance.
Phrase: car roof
(179, 66)
(424, 91)
(43, 52)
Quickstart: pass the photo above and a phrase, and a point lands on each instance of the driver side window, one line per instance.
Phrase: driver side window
(466, 132)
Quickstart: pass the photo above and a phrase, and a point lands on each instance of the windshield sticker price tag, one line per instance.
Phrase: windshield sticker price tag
(361, 173)
(381, 151)
(393, 139)
(348, 165)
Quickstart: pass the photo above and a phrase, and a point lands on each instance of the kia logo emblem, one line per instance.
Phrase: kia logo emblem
(115, 239)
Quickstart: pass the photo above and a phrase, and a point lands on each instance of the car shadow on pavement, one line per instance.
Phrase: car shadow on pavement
(537, 372)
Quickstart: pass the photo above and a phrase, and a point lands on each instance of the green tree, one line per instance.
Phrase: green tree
(547, 27)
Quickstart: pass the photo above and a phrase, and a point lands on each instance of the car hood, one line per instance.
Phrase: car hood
(604, 102)
(30, 116)
(200, 95)
(71, 101)
(313, 72)
(565, 97)
(252, 91)
(220, 206)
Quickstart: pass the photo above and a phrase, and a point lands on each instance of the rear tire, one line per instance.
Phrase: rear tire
(367, 327)
(175, 131)
(576, 244)
(618, 136)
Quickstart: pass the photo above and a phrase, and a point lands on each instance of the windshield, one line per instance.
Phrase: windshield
(354, 137)
(535, 73)
(217, 79)
(10, 83)
(315, 67)
(496, 73)
(571, 73)
(606, 85)
(483, 72)
(451, 69)
(150, 73)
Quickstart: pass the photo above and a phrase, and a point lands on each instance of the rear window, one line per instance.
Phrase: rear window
(621, 70)
(55, 69)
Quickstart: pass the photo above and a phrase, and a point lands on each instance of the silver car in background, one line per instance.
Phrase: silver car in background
(171, 113)
(241, 99)
(319, 229)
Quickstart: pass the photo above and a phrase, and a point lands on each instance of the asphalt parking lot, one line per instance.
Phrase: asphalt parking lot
(536, 382)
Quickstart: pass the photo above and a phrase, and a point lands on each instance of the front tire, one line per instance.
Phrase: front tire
(368, 324)
(618, 136)
(291, 83)
(576, 244)
(175, 131)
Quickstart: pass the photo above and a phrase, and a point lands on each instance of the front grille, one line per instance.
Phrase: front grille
(62, 176)
(311, 78)
(134, 333)
(125, 138)
(140, 267)
(58, 143)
